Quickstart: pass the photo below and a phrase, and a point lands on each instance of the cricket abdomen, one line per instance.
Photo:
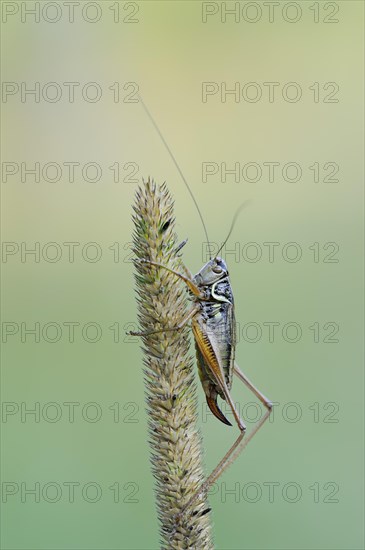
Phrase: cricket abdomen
(219, 323)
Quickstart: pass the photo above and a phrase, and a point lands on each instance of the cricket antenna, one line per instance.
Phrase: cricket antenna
(238, 211)
(178, 169)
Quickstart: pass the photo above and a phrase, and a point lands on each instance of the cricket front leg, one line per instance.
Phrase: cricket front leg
(187, 279)
(192, 286)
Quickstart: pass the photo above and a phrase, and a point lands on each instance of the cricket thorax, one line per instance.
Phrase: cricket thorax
(222, 291)
(216, 310)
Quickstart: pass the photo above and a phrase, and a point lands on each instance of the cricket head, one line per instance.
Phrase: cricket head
(213, 271)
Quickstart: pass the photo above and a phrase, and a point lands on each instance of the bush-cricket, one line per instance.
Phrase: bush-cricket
(213, 324)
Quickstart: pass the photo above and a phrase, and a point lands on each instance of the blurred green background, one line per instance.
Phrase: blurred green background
(315, 442)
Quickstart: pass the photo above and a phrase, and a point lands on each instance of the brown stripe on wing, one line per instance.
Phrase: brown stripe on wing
(206, 348)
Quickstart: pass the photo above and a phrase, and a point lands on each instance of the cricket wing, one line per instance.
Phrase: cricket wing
(210, 370)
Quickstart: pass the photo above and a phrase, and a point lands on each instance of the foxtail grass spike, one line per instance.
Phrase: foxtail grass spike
(175, 442)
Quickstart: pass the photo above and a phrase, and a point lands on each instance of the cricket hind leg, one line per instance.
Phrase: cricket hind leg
(246, 381)
(240, 443)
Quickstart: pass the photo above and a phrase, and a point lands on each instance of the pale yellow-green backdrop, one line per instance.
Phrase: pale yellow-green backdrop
(299, 485)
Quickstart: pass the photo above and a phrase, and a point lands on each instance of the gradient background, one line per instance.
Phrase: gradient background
(169, 52)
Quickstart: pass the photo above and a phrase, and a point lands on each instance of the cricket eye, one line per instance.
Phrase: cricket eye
(217, 269)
